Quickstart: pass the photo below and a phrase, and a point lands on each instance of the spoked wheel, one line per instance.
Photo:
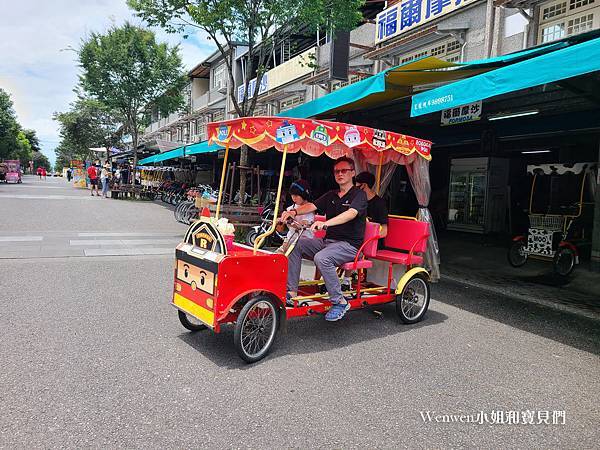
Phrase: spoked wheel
(177, 212)
(191, 214)
(516, 254)
(191, 323)
(413, 301)
(255, 329)
(564, 261)
(251, 237)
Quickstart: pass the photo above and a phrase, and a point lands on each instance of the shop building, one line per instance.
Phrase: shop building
(417, 48)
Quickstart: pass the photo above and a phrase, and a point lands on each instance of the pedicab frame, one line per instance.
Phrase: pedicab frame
(235, 294)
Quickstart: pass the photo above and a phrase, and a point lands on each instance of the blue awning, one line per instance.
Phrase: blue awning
(201, 147)
(172, 154)
(563, 63)
(397, 82)
(180, 152)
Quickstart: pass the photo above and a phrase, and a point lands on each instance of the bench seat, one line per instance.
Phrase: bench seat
(397, 257)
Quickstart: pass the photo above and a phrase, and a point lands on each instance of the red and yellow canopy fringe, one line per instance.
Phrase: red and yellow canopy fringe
(315, 137)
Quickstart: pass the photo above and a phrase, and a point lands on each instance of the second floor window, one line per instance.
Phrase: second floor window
(219, 77)
(559, 19)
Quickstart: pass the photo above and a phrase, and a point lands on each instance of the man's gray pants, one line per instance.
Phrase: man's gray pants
(327, 255)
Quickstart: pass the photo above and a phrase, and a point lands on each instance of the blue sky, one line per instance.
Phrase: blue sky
(36, 66)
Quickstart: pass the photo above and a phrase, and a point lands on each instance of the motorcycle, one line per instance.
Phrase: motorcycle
(277, 238)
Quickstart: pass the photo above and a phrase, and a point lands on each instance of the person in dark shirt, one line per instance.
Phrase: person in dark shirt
(376, 208)
(345, 209)
(376, 212)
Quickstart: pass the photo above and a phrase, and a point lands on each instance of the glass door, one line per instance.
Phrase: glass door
(476, 207)
(457, 197)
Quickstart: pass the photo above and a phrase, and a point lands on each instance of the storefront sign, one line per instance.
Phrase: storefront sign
(409, 14)
(264, 87)
(462, 114)
(299, 66)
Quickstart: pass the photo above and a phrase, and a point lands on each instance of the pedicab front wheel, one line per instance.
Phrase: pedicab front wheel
(255, 328)
(516, 254)
(190, 323)
(413, 301)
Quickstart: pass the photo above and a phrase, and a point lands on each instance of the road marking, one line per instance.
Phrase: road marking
(20, 238)
(47, 197)
(44, 186)
(111, 234)
(134, 242)
(75, 242)
(127, 251)
(126, 242)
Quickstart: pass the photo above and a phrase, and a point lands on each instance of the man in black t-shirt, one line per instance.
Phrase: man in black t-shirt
(345, 209)
(376, 208)
(376, 212)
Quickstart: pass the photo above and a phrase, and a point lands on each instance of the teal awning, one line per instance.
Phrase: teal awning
(563, 63)
(180, 152)
(201, 147)
(397, 82)
(176, 153)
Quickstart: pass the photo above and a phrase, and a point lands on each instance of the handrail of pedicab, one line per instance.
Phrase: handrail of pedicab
(412, 249)
(260, 239)
(362, 247)
(222, 181)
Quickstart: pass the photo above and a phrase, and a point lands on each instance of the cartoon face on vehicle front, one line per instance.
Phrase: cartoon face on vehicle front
(196, 277)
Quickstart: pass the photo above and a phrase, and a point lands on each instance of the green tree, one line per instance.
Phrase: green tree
(9, 127)
(64, 156)
(260, 24)
(34, 141)
(88, 124)
(40, 160)
(129, 72)
(22, 150)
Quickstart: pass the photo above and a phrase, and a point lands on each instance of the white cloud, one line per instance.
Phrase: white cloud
(38, 66)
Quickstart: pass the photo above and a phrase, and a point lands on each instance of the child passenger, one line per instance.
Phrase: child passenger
(300, 193)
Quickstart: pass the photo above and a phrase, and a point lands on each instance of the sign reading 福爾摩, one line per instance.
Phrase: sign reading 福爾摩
(409, 14)
(462, 114)
(264, 87)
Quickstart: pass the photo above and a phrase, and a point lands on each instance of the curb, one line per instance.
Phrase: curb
(525, 298)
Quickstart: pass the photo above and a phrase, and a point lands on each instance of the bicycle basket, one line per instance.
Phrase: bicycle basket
(551, 223)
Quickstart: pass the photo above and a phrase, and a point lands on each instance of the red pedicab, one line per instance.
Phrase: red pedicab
(13, 173)
(215, 285)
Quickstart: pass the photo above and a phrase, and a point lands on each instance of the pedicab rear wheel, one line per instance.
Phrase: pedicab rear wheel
(256, 328)
(190, 323)
(564, 261)
(413, 301)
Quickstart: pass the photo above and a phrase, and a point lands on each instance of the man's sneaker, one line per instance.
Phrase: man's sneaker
(346, 287)
(288, 300)
(337, 311)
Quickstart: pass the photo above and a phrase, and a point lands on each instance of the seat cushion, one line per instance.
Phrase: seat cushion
(397, 257)
(360, 264)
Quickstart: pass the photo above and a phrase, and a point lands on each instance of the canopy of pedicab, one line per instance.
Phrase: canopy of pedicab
(315, 137)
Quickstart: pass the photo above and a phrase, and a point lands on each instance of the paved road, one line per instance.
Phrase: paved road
(93, 355)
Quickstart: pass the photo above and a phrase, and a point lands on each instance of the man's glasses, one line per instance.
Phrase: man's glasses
(341, 171)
